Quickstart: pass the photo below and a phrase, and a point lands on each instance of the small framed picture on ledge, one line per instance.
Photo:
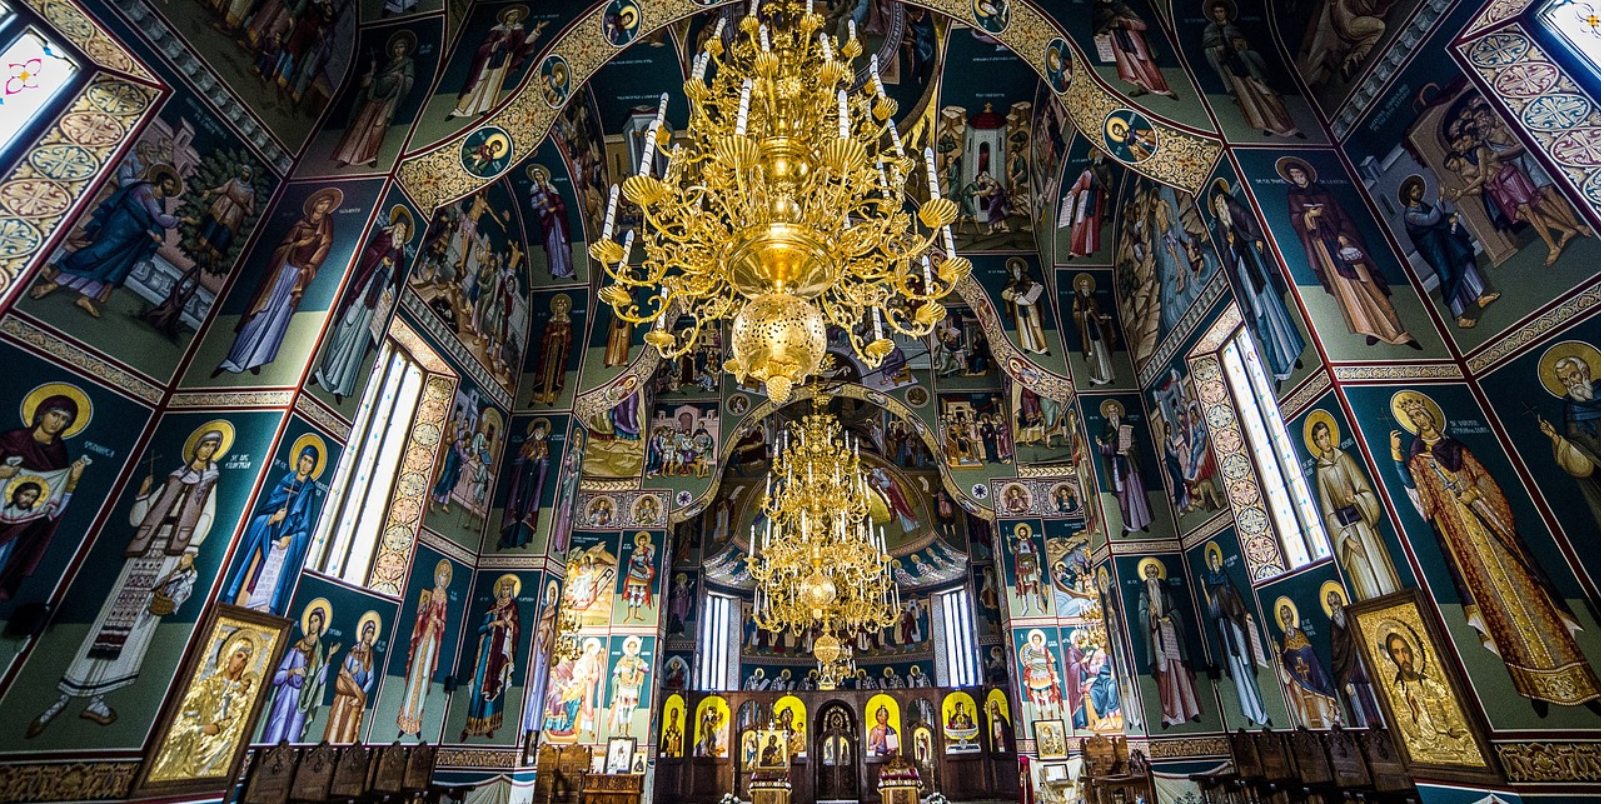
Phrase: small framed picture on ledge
(620, 751)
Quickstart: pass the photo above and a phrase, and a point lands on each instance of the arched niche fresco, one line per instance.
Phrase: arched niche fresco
(1178, 154)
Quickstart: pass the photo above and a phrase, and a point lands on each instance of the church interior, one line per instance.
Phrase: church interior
(770, 401)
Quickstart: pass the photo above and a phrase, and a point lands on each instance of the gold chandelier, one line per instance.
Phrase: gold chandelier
(835, 662)
(818, 563)
(781, 209)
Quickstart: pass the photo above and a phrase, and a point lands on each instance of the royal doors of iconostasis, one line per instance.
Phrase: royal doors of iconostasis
(836, 776)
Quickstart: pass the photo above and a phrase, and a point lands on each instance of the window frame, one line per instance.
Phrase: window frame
(956, 610)
(1297, 522)
(714, 640)
(337, 544)
(17, 21)
(1572, 57)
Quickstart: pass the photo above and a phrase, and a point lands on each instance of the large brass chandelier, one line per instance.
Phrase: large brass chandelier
(782, 209)
(818, 563)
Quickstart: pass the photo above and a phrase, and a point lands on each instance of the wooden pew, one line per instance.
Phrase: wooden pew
(324, 774)
(352, 772)
(1277, 773)
(420, 777)
(271, 776)
(387, 782)
(1350, 774)
(1388, 773)
(1314, 767)
(314, 774)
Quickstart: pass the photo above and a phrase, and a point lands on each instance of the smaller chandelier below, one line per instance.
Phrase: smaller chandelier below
(819, 565)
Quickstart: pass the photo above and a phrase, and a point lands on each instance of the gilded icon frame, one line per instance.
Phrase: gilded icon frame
(1457, 749)
(225, 628)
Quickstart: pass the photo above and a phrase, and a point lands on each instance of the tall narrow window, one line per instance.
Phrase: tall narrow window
(713, 646)
(958, 626)
(1292, 510)
(34, 70)
(348, 535)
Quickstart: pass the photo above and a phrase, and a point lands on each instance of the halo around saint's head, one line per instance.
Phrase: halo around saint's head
(1325, 596)
(313, 442)
(1405, 401)
(1568, 352)
(222, 430)
(1284, 603)
(1141, 567)
(81, 416)
(318, 604)
(1319, 417)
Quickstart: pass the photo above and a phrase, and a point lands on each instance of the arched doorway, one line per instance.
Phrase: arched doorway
(835, 743)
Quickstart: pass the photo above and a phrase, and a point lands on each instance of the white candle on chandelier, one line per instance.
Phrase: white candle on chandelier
(612, 213)
(852, 29)
(843, 122)
(878, 335)
(926, 263)
(699, 66)
(746, 104)
(946, 236)
(753, 12)
(662, 107)
(629, 242)
(810, 8)
(930, 172)
(896, 140)
(885, 184)
(763, 36)
(662, 317)
(824, 43)
(874, 75)
(648, 149)
(718, 30)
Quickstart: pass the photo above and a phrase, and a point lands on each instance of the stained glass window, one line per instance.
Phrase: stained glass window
(1576, 22)
(1286, 494)
(33, 71)
(359, 497)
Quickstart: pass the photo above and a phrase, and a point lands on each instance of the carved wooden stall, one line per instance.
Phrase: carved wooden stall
(840, 758)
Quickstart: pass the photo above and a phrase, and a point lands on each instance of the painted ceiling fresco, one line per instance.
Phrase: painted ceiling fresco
(253, 221)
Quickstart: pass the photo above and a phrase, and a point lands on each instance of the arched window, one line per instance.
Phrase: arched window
(35, 71)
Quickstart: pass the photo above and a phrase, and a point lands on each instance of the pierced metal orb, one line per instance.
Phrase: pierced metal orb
(818, 590)
(826, 649)
(778, 339)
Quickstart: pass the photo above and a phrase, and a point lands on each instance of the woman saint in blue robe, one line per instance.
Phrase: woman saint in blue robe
(276, 541)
